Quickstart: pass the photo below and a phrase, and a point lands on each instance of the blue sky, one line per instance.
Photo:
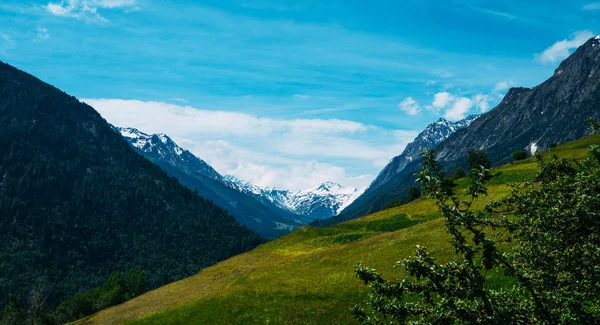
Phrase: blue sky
(291, 93)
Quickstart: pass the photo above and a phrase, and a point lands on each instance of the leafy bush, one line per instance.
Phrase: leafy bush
(413, 194)
(458, 173)
(478, 158)
(519, 155)
(552, 266)
(119, 288)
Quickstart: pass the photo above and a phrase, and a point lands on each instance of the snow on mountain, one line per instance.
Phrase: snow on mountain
(160, 146)
(291, 208)
(321, 202)
(430, 137)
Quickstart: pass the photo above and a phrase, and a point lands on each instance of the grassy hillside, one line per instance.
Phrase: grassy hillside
(307, 277)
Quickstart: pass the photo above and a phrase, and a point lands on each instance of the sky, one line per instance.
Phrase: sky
(291, 94)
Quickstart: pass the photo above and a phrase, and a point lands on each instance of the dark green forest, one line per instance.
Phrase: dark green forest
(77, 203)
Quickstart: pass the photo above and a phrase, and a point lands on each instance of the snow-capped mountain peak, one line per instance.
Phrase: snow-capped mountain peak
(323, 201)
(430, 137)
(161, 147)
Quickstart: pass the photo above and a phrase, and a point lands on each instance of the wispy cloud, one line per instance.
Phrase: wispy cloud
(87, 9)
(592, 6)
(442, 73)
(6, 44)
(503, 85)
(562, 49)
(496, 13)
(262, 149)
(42, 34)
(301, 96)
(504, 15)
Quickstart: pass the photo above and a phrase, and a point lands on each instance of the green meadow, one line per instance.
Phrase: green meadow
(307, 277)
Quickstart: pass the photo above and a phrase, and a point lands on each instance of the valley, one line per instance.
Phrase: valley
(308, 276)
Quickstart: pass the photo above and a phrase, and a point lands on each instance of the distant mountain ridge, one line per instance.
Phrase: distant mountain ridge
(161, 145)
(197, 174)
(430, 137)
(268, 211)
(322, 202)
(555, 111)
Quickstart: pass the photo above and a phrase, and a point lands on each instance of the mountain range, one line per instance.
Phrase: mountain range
(270, 212)
(526, 119)
(321, 202)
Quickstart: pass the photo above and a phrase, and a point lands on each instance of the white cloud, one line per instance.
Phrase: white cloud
(592, 6)
(87, 9)
(42, 34)
(172, 119)
(287, 153)
(441, 100)
(482, 102)
(562, 49)
(455, 108)
(410, 106)
(503, 85)
(459, 109)
(301, 96)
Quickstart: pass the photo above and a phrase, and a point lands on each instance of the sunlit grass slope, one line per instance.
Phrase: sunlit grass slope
(307, 276)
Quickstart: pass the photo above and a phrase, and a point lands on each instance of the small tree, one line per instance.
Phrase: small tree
(458, 173)
(519, 155)
(413, 194)
(478, 158)
(553, 265)
(594, 125)
(13, 313)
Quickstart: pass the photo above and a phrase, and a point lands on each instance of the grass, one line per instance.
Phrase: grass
(307, 277)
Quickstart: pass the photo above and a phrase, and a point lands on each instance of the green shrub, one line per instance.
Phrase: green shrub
(553, 264)
(478, 158)
(519, 155)
(413, 194)
(119, 288)
(458, 173)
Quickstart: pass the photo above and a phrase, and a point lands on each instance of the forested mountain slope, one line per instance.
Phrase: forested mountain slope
(76, 202)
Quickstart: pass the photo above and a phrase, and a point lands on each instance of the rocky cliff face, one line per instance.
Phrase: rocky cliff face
(552, 112)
